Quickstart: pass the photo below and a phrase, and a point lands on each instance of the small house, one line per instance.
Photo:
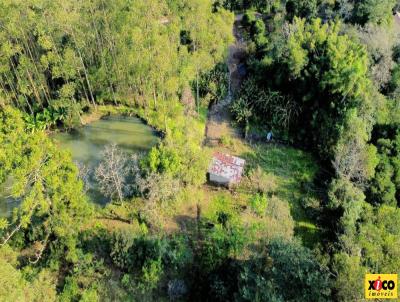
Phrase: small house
(226, 169)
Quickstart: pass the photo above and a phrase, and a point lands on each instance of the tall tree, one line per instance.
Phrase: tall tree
(45, 182)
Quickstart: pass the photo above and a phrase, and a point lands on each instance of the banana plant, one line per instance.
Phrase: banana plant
(33, 123)
(40, 121)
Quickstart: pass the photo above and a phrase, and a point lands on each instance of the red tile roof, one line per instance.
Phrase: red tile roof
(227, 166)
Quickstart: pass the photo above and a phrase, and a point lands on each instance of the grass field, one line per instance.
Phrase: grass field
(294, 171)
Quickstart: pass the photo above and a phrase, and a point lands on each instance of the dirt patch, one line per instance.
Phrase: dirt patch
(91, 117)
(219, 118)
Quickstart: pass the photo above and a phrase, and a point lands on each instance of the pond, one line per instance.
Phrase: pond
(87, 143)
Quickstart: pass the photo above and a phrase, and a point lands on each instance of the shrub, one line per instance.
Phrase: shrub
(121, 243)
(286, 262)
(262, 182)
(178, 253)
(258, 204)
(213, 85)
(222, 211)
(221, 244)
(145, 250)
(226, 141)
(158, 187)
(162, 159)
(279, 221)
(151, 274)
(310, 202)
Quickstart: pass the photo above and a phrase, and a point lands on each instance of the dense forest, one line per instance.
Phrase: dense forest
(318, 204)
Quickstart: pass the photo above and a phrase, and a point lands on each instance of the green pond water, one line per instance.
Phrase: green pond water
(87, 143)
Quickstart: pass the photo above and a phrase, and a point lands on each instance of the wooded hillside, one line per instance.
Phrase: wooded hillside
(305, 93)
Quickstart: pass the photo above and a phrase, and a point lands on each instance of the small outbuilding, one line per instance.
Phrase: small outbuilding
(226, 169)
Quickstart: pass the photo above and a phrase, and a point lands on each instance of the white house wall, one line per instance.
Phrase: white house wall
(219, 179)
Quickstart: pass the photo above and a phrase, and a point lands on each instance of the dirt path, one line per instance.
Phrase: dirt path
(219, 119)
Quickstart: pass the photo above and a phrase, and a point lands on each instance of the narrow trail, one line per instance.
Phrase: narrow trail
(219, 118)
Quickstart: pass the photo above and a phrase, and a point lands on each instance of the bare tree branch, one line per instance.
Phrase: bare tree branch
(9, 235)
(113, 172)
(39, 252)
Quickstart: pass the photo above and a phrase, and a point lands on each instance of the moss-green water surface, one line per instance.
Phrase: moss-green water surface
(86, 145)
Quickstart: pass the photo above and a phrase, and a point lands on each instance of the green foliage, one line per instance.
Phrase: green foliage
(385, 186)
(258, 204)
(68, 114)
(15, 286)
(279, 220)
(82, 285)
(90, 296)
(285, 173)
(242, 113)
(12, 283)
(178, 255)
(163, 160)
(180, 155)
(354, 158)
(141, 257)
(343, 195)
(350, 272)
(213, 85)
(374, 11)
(301, 8)
(383, 190)
(239, 5)
(221, 243)
(44, 179)
(278, 111)
(151, 273)
(248, 18)
(227, 238)
(146, 250)
(306, 84)
(222, 206)
(261, 181)
(82, 54)
(395, 79)
(146, 260)
(120, 245)
(256, 30)
(267, 278)
(377, 235)
(343, 85)
(226, 141)
(132, 253)
(322, 76)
